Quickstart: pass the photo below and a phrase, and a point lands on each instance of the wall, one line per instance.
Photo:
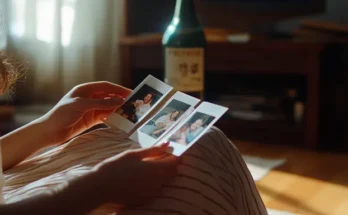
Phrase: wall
(337, 11)
(2, 26)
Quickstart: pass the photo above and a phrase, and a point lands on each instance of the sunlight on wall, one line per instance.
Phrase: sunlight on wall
(18, 12)
(45, 14)
(2, 27)
(68, 18)
(42, 19)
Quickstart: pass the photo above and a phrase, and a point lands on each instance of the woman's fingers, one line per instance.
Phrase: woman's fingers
(88, 89)
(103, 95)
(166, 161)
(84, 105)
(151, 152)
(166, 166)
(102, 115)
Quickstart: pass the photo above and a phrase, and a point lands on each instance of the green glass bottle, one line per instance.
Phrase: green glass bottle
(184, 46)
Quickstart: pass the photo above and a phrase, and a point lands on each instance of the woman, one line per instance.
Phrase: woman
(179, 136)
(164, 122)
(194, 130)
(133, 111)
(73, 114)
(143, 106)
(210, 179)
(160, 125)
(188, 132)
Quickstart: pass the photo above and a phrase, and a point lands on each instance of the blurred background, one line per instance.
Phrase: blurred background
(63, 42)
(60, 44)
(279, 65)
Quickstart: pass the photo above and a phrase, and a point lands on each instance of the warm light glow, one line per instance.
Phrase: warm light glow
(176, 21)
(45, 20)
(2, 29)
(171, 28)
(68, 17)
(18, 12)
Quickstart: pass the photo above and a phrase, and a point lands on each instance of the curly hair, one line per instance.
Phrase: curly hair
(9, 72)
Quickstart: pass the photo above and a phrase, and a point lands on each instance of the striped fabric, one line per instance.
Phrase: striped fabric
(212, 177)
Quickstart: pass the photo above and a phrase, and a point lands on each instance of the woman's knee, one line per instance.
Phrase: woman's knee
(215, 131)
(215, 139)
(215, 136)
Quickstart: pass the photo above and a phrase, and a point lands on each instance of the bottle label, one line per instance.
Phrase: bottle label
(184, 69)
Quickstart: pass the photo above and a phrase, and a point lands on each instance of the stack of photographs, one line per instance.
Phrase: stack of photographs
(182, 120)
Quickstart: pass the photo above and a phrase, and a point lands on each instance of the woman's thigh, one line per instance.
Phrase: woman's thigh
(212, 176)
(212, 179)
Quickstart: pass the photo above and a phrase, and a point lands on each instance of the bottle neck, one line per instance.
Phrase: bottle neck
(185, 14)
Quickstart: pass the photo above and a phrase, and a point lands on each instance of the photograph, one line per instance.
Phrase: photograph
(192, 127)
(144, 98)
(139, 104)
(190, 130)
(171, 113)
(165, 119)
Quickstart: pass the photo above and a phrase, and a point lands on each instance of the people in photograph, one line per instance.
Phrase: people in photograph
(135, 110)
(143, 106)
(127, 110)
(179, 136)
(194, 130)
(160, 125)
(187, 133)
(165, 121)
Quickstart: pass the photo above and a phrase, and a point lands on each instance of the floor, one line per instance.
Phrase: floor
(309, 182)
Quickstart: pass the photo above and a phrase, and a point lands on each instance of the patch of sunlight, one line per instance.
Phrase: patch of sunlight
(299, 193)
(18, 13)
(45, 20)
(68, 18)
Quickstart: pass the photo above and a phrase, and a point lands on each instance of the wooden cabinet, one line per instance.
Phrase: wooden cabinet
(143, 55)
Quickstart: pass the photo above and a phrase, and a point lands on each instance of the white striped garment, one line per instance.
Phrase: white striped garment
(212, 177)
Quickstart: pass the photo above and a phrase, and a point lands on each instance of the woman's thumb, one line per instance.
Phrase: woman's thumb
(154, 151)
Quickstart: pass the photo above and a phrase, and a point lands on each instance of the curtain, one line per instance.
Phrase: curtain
(64, 43)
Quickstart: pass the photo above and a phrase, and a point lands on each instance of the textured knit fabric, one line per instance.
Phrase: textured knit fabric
(212, 177)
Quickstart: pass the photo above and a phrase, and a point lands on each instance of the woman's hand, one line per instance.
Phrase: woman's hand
(128, 179)
(134, 177)
(83, 107)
